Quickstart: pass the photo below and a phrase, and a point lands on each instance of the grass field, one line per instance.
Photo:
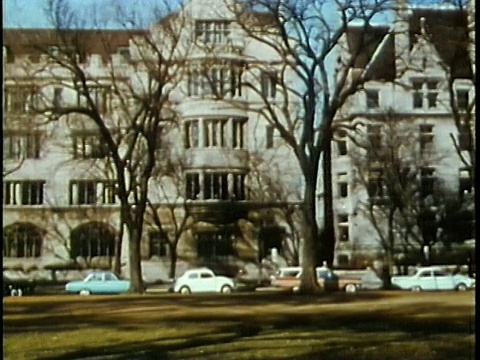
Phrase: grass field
(383, 325)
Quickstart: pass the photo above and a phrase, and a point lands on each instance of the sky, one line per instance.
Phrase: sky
(32, 13)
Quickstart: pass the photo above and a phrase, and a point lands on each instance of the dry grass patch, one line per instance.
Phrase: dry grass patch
(370, 326)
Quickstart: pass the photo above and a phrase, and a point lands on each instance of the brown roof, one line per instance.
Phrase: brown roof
(447, 30)
(366, 42)
(34, 42)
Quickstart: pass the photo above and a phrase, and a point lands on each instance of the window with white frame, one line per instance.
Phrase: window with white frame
(92, 192)
(372, 97)
(191, 134)
(426, 138)
(219, 79)
(159, 243)
(425, 93)
(23, 192)
(214, 132)
(238, 133)
(268, 84)
(20, 99)
(212, 31)
(269, 136)
(214, 185)
(342, 183)
(343, 228)
(89, 145)
(21, 144)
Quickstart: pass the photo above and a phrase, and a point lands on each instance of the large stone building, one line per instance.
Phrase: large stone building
(231, 176)
(414, 67)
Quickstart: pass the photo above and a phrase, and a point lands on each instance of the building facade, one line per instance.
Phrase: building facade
(228, 188)
(418, 105)
(225, 178)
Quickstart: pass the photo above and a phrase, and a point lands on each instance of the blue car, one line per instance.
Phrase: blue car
(99, 282)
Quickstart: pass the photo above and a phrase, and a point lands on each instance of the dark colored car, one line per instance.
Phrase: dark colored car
(17, 287)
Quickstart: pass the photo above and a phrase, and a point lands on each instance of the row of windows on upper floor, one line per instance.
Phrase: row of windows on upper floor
(377, 186)
(226, 133)
(426, 137)
(424, 96)
(217, 81)
(202, 185)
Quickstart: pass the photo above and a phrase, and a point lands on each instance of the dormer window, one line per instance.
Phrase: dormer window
(212, 31)
(372, 98)
(125, 52)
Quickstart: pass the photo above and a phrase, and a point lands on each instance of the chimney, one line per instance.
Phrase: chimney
(401, 34)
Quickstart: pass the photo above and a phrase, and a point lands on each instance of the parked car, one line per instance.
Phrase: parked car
(433, 278)
(202, 280)
(17, 287)
(98, 282)
(289, 278)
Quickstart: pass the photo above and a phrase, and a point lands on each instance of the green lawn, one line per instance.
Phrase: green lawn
(267, 325)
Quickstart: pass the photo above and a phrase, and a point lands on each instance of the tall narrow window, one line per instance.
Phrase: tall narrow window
(191, 136)
(92, 192)
(214, 131)
(426, 138)
(341, 141)
(373, 101)
(342, 185)
(192, 186)
(269, 136)
(20, 99)
(465, 137)
(268, 83)
(89, 145)
(376, 186)
(57, 97)
(427, 181)
(462, 99)
(343, 228)
(238, 133)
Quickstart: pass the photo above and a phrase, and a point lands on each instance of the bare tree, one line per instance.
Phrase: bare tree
(403, 198)
(138, 92)
(305, 36)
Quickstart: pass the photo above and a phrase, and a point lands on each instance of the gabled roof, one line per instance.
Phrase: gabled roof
(448, 31)
(446, 28)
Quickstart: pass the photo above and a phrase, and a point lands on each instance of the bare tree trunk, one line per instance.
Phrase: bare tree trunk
(117, 260)
(135, 262)
(309, 282)
(173, 261)
(328, 241)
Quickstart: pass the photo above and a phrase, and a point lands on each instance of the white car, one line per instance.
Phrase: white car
(433, 278)
(203, 280)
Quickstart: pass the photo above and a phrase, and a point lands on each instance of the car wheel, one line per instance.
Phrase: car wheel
(416, 288)
(84, 292)
(350, 288)
(226, 289)
(184, 290)
(16, 292)
(461, 287)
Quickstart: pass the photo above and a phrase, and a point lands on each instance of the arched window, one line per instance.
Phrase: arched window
(22, 240)
(92, 239)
